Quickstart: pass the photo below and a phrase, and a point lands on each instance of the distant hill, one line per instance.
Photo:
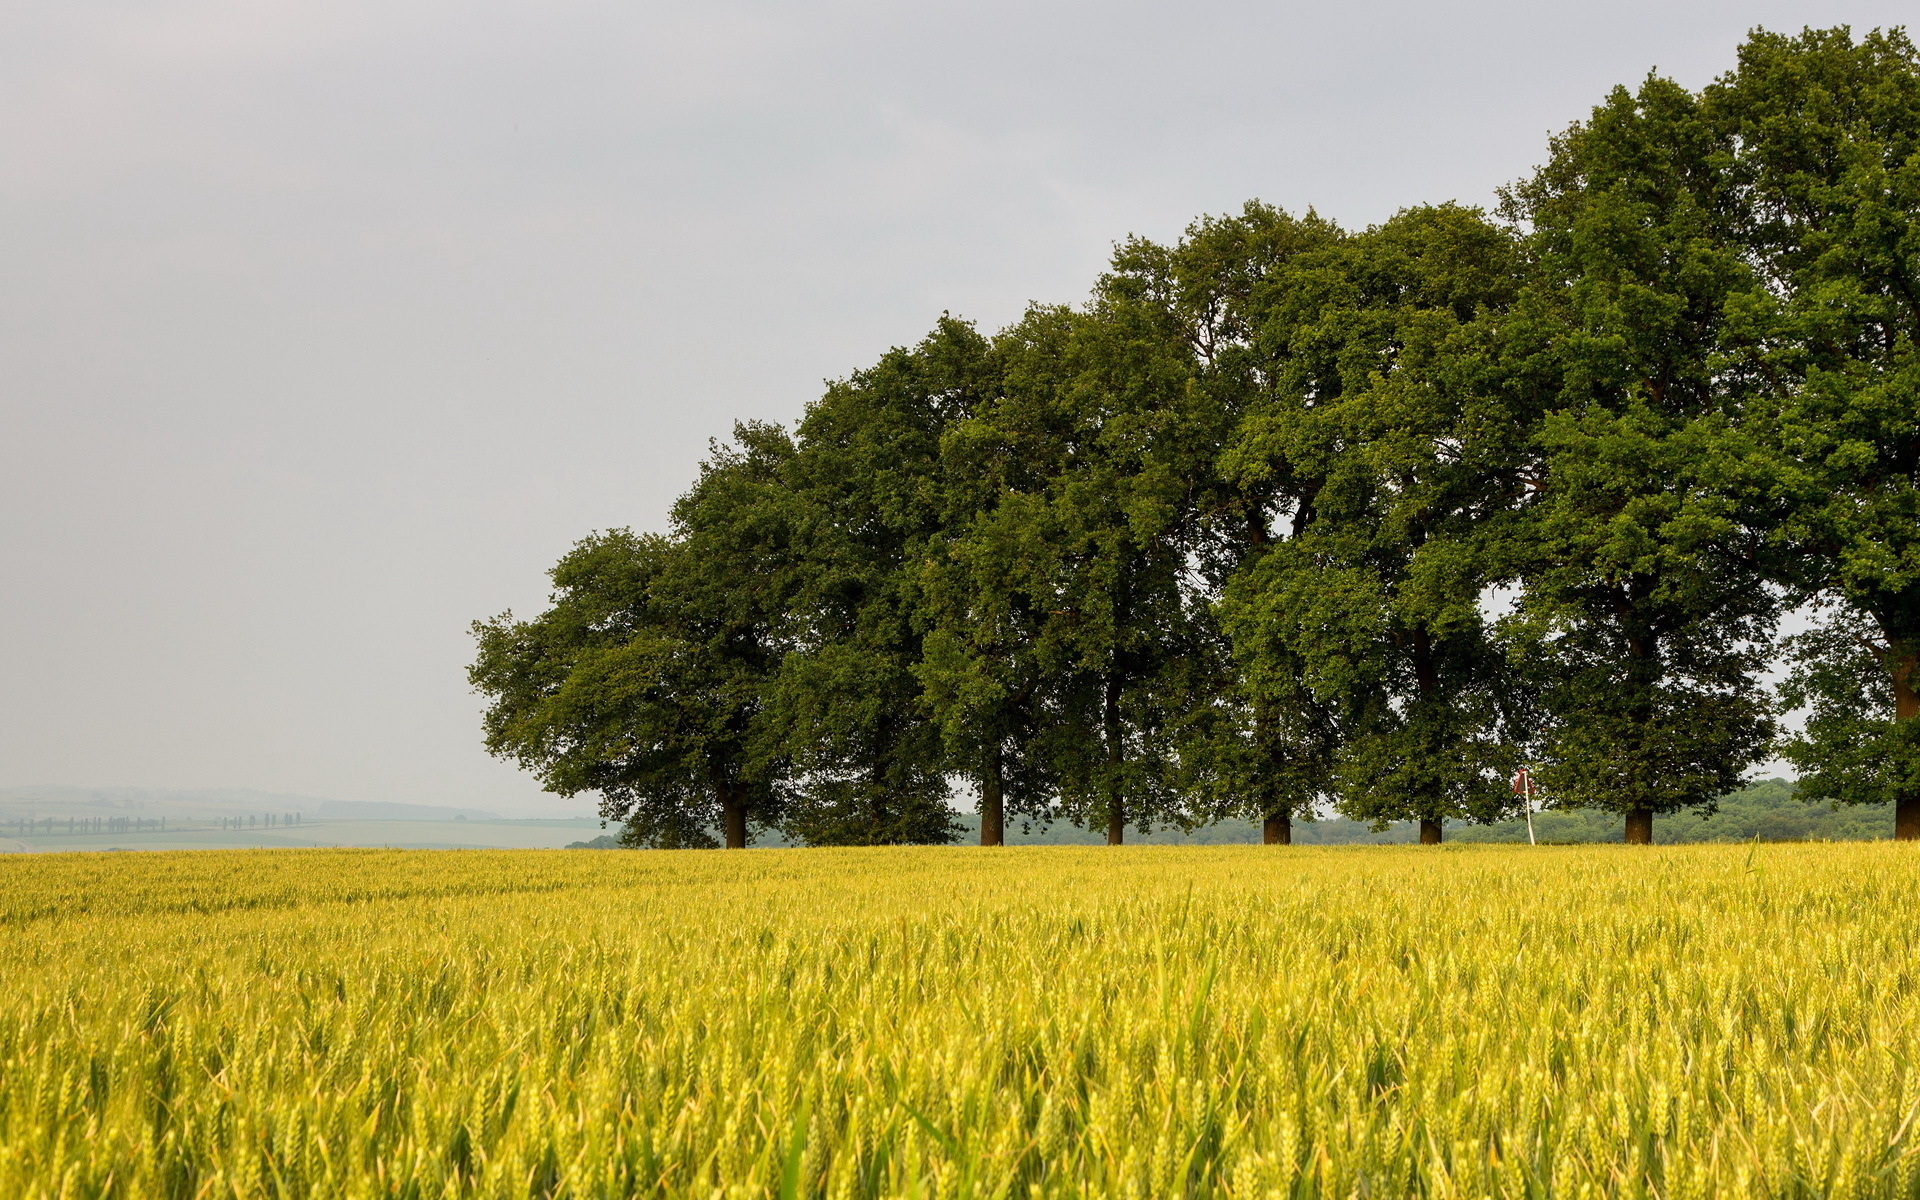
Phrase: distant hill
(61, 800)
(378, 810)
(1766, 810)
(1769, 810)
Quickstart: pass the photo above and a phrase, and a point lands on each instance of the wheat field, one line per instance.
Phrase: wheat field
(1150, 1021)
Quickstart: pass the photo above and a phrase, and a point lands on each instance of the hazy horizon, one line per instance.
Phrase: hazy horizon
(326, 330)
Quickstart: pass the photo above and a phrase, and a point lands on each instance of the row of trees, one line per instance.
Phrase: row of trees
(1289, 517)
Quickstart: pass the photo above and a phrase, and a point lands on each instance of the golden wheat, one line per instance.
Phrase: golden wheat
(1151, 1022)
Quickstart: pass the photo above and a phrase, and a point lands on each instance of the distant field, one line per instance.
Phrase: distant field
(1150, 1021)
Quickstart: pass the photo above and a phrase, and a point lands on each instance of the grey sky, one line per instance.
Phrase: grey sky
(326, 328)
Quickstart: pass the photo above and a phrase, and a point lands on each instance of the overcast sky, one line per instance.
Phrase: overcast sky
(326, 328)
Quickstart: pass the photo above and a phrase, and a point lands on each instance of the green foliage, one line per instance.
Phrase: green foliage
(594, 694)
(1853, 749)
(1370, 609)
(848, 702)
(1079, 446)
(605, 841)
(1828, 133)
(644, 681)
(1235, 540)
(1645, 609)
(1244, 737)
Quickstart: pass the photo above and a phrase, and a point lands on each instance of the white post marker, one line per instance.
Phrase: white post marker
(1523, 788)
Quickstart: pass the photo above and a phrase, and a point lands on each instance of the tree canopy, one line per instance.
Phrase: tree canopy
(1290, 519)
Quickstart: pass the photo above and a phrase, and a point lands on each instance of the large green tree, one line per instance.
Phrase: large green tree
(850, 703)
(1247, 740)
(987, 675)
(1086, 528)
(1824, 138)
(646, 680)
(1646, 607)
(1391, 415)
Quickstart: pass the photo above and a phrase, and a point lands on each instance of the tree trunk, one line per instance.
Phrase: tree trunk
(1427, 677)
(1278, 830)
(733, 815)
(1644, 670)
(1906, 817)
(1116, 803)
(993, 804)
(1906, 706)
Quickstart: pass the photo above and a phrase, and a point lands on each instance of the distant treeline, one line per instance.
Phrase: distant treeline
(1767, 811)
(1290, 519)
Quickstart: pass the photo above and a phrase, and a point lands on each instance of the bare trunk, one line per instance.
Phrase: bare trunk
(1427, 678)
(1278, 830)
(1906, 706)
(1644, 651)
(1116, 803)
(1906, 818)
(993, 805)
(733, 815)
